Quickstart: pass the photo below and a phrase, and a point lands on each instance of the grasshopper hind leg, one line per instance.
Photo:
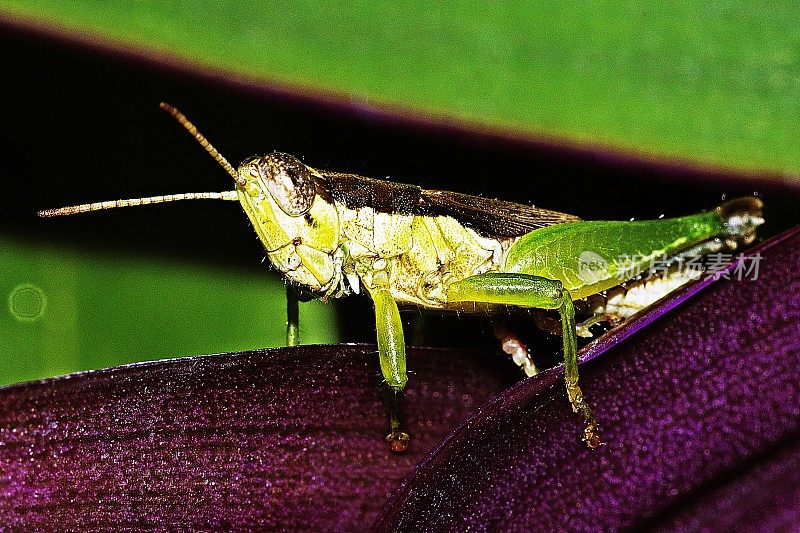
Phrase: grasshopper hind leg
(525, 290)
(525, 355)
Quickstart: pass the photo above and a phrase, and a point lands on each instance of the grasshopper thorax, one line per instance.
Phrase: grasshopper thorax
(298, 227)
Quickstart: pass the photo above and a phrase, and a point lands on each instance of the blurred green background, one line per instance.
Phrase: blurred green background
(66, 309)
(714, 82)
(603, 109)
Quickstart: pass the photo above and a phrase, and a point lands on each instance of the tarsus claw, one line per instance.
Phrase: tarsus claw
(398, 441)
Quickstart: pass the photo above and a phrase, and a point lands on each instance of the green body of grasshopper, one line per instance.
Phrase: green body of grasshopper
(335, 234)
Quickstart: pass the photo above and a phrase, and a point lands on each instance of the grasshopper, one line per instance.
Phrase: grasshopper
(333, 234)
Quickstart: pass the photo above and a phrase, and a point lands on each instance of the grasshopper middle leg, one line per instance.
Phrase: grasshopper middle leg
(392, 353)
(533, 291)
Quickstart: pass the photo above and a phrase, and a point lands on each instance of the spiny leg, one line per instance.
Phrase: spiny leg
(574, 393)
(292, 317)
(392, 354)
(533, 291)
(513, 345)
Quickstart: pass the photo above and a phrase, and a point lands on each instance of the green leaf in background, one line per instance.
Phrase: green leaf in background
(65, 310)
(717, 83)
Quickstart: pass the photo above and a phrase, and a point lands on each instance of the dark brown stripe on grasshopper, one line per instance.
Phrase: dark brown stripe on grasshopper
(489, 217)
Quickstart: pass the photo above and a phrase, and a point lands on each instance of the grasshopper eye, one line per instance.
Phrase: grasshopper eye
(290, 183)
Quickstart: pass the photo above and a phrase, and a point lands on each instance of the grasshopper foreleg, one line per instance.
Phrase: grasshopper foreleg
(292, 317)
(533, 291)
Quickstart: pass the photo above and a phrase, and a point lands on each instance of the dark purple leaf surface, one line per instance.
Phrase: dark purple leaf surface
(689, 408)
(700, 412)
(290, 437)
(763, 495)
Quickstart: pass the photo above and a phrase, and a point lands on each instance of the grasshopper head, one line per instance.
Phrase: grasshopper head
(298, 227)
(290, 183)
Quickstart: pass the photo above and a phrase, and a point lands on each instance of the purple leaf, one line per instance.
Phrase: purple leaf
(700, 411)
(290, 437)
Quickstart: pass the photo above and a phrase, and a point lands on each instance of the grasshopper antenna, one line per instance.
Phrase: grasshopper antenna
(98, 206)
(191, 128)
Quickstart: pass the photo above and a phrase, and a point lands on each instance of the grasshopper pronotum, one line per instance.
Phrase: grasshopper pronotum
(333, 234)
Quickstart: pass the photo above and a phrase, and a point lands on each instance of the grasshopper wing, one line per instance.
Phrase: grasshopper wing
(487, 216)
